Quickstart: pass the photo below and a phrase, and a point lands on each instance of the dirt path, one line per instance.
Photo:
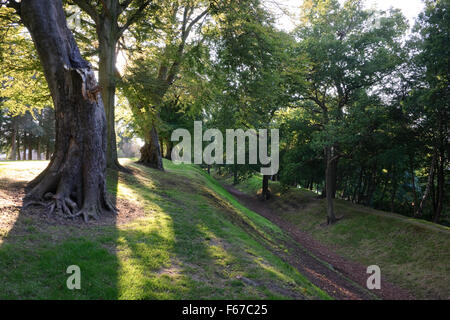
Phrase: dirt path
(339, 277)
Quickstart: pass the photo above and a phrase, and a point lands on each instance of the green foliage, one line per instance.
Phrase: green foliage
(23, 84)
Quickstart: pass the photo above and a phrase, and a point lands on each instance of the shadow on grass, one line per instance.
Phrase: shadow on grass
(179, 251)
(36, 250)
(180, 247)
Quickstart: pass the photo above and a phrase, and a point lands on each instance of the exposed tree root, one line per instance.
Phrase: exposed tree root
(67, 208)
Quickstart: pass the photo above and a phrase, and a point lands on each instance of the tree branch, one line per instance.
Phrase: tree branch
(193, 22)
(132, 19)
(88, 8)
(12, 4)
(124, 5)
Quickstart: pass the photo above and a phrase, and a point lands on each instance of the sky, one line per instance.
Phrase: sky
(410, 8)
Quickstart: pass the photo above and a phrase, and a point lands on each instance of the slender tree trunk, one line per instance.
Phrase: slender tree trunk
(24, 157)
(30, 147)
(358, 187)
(440, 188)
(371, 190)
(38, 149)
(18, 146)
(383, 193)
(265, 188)
(333, 168)
(394, 192)
(47, 150)
(12, 155)
(329, 176)
(323, 193)
(169, 150)
(108, 84)
(161, 145)
(413, 182)
(74, 183)
(429, 184)
(151, 151)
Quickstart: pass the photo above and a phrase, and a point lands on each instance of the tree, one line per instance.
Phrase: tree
(344, 49)
(430, 96)
(249, 79)
(162, 64)
(107, 17)
(23, 88)
(74, 183)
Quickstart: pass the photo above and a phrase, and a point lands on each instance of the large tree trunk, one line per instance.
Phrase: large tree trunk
(74, 183)
(151, 151)
(12, 155)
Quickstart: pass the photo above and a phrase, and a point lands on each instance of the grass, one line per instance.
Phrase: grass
(411, 253)
(194, 241)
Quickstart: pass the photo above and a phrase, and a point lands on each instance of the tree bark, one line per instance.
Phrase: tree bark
(169, 150)
(358, 187)
(429, 185)
(151, 151)
(24, 143)
(47, 150)
(74, 183)
(440, 188)
(13, 153)
(333, 168)
(265, 188)
(38, 149)
(394, 193)
(106, 32)
(30, 147)
(331, 218)
(372, 186)
(413, 183)
(18, 146)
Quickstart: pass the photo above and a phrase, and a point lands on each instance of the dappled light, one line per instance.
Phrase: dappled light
(224, 150)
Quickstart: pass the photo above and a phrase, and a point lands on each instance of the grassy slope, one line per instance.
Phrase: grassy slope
(411, 253)
(189, 245)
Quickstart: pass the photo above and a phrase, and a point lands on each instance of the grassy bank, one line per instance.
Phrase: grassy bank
(411, 253)
(184, 239)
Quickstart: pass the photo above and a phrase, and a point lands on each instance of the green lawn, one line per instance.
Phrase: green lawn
(190, 243)
(411, 253)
